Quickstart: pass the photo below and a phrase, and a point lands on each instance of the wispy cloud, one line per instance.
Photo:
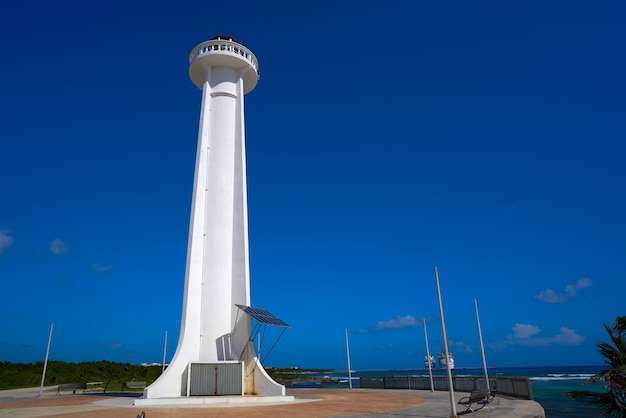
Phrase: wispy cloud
(113, 346)
(568, 337)
(387, 346)
(399, 322)
(459, 346)
(101, 268)
(58, 247)
(118, 349)
(5, 241)
(525, 330)
(570, 292)
(527, 335)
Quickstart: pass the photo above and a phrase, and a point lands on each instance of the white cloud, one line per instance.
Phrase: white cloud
(525, 335)
(568, 337)
(550, 296)
(525, 330)
(399, 322)
(58, 247)
(570, 292)
(5, 241)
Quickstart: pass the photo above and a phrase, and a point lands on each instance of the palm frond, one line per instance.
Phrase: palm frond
(613, 401)
(620, 325)
(601, 401)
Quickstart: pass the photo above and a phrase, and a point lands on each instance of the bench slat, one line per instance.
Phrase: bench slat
(133, 385)
(477, 396)
(71, 386)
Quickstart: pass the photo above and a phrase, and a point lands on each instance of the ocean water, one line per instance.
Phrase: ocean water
(549, 384)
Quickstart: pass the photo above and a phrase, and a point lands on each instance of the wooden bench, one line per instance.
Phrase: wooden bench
(94, 387)
(479, 397)
(133, 385)
(64, 387)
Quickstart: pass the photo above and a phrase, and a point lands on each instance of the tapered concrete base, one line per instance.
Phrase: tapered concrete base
(215, 401)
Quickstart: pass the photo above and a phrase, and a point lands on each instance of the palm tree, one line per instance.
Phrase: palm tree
(613, 402)
(620, 325)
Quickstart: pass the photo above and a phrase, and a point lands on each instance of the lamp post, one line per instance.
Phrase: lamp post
(349, 367)
(430, 366)
(482, 347)
(445, 349)
(45, 364)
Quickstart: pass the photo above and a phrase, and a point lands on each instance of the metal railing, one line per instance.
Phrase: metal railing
(224, 46)
(515, 386)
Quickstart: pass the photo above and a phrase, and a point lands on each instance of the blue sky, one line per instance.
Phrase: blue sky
(383, 139)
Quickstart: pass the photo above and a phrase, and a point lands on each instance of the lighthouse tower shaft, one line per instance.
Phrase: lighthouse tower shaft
(217, 277)
(218, 274)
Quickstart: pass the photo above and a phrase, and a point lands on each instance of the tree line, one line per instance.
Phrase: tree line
(109, 374)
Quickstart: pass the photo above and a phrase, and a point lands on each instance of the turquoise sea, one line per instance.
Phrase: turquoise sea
(549, 384)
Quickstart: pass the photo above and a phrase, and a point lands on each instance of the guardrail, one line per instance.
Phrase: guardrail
(515, 386)
(224, 46)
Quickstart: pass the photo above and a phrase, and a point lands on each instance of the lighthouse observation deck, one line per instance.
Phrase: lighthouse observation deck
(223, 51)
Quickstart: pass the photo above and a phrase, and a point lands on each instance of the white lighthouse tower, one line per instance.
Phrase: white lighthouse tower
(215, 355)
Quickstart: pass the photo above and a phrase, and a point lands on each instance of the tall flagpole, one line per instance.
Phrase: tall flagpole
(430, 366)
(482, 348)
(45, 363)
(348, 353)
(445, 349)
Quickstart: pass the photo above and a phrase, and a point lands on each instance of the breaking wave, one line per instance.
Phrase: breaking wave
(564, 376)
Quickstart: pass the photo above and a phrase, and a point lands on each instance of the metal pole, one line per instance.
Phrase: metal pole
(430, 368)
(164, 352)
(482, 348)
(445, 349)
(45, 363)
(348, 353)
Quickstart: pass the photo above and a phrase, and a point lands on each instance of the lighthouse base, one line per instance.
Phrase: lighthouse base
(227, 382)
(214, 401)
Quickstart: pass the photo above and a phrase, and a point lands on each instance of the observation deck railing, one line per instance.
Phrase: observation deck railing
(514, 386)
(224, 45)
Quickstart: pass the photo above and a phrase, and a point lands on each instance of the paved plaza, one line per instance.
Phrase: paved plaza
(357, 403)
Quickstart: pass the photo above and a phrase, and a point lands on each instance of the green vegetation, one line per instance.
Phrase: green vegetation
(110, 374)
(613, 401)
(294, 373)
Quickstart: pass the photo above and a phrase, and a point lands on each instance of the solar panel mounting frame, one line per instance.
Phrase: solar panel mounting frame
(263, 317)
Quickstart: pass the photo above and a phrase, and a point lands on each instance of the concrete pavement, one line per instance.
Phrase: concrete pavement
(309, 403)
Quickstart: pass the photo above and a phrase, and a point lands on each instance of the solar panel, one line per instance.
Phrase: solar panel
(262, 316)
